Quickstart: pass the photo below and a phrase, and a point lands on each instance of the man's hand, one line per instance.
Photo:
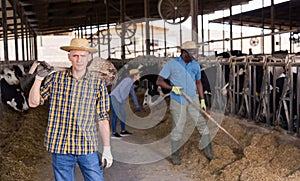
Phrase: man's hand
(176, 90)
(202, 104)
(44, 69)
(107, 158)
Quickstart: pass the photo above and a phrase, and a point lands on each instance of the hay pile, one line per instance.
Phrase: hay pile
(267, 154)
(263, 157)
(21, 143)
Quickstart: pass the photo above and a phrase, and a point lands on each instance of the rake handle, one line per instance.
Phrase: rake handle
(211, 119)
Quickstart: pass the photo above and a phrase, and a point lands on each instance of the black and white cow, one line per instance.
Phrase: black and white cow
(154, 94)
(234, 77)
(269, 83)
(11, 93)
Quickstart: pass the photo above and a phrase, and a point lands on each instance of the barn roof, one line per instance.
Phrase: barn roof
(57, 16)
(286, 17)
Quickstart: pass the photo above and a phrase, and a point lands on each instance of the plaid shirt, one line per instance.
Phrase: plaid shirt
(75, 107)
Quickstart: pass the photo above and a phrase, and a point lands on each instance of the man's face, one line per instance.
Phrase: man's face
(79, 59)
(190, 54)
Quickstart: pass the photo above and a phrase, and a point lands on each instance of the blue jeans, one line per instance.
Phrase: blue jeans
(117, 111)
(64, 167)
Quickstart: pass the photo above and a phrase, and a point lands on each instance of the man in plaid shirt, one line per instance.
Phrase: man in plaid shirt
(79, 108)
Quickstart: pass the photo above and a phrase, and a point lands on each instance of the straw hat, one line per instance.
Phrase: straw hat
(189, 45)
(79, 44)
(134, 71)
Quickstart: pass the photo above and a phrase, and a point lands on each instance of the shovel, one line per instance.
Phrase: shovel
(211, 119)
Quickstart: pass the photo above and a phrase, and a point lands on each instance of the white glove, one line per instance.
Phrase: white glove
(107, 158)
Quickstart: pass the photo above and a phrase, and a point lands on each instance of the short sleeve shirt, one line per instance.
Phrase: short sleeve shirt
(183, 75)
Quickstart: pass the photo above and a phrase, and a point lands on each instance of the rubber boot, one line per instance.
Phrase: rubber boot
(175, 145)
(205, 140)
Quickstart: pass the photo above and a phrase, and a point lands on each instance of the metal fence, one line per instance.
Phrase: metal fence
(262, 89)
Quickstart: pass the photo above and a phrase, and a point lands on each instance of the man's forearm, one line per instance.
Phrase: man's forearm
(160, 82)
(104, 129)
(34, 94)
(200, 89)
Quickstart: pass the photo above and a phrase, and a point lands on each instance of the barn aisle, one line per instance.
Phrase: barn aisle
(268, 154)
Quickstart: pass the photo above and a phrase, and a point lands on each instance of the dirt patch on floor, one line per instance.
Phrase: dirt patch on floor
(267, 154)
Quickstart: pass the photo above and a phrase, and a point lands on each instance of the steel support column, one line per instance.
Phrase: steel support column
(26, 40)
(35, 46)
(202, 28)
(272, 26)
(30, 44)
(123, 9)
(195, 21)
(263, 27)
(22, 37)
(108, 30)
(98, 39)
(16, 30)
(290, 22)
(165, 39)
(4, 25)
(230, 24)
(147, 15)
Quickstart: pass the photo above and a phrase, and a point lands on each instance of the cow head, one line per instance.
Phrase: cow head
(11, 93)
(10, 76)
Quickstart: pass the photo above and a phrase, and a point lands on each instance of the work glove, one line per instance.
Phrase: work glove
(107, 158)
(202, 104)
(44, 69)
(176, 90)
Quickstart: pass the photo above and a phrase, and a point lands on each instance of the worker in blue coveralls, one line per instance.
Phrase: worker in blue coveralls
(185, 75)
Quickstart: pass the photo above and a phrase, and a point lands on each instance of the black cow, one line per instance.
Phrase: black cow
(11, 93)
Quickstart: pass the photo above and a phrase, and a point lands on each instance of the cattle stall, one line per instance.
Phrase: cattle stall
(263, 89)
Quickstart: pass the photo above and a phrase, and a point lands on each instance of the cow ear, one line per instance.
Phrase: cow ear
(6, 70)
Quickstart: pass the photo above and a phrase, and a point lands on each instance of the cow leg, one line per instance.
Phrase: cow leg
(13, 104)
(207, 98)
